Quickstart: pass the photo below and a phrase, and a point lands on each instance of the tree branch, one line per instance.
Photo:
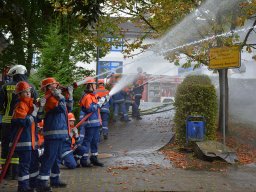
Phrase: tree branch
(146, 21)
(248, 34)
(194, 58)
(134, 13)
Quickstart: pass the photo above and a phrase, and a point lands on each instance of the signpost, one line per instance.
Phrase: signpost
(223, 58)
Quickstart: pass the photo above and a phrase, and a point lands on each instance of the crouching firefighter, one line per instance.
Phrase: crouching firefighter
(24, 116)
(90, 104)
(72, 151)
(53, 108)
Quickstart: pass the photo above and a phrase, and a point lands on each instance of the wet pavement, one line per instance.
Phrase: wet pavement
(133, 163)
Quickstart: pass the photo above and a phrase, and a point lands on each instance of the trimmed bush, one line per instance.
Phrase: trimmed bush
(195, 96)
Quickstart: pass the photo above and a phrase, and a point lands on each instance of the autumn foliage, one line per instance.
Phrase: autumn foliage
(241, 140)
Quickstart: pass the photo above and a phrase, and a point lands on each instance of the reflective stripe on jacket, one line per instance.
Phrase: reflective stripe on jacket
(119, 97)
(55, 121)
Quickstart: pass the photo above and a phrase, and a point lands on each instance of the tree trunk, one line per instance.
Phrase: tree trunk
(18, 47)
(29, 57)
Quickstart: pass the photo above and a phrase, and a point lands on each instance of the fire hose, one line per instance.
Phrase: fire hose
(154, 110)
(15, 141)
(10, 154)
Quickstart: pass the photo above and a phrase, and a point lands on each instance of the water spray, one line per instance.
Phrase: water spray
(209, 38)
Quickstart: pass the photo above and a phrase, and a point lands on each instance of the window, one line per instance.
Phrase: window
(118, 44)
(109, 67)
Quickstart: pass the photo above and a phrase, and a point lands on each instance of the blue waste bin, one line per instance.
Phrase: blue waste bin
(195, 128)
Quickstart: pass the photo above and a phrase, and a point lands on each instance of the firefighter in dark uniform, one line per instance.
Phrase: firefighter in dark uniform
(137, 91)
(8, 100)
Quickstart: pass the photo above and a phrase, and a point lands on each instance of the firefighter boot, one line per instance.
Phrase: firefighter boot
(84, 163)
(105, 136)
(25, 190)
(94, 160)
(139, 118)
(44, 189)
(60, 184)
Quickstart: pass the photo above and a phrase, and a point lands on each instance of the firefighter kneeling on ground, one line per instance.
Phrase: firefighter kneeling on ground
(72, 150)
(104, 110)
(24, 116)
(54, 110)
(91, 127)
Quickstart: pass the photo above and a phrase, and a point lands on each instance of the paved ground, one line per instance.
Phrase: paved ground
(132, 163)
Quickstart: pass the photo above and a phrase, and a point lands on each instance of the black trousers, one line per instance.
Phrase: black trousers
(5, 140)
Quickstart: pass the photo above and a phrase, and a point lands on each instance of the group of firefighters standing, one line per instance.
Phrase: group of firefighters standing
(49, 136)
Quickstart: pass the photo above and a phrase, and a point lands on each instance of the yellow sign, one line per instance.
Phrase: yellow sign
(225, 57)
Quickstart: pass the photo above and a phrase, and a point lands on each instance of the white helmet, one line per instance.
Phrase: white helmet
(17, 69)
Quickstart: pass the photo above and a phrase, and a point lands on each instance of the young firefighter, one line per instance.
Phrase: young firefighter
(40, 141)
(8, 100)
(40, 134)
(128, 98)
(119, 104)
(104, 110)
(55, 131)
(72, 151)
(138, 90)
(24, 117)
(89, 104)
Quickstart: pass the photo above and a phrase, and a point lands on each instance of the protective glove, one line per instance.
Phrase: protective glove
(41, 107)
(74, 132)
(107, 98)
(101, 101)
(70, 92)
(57, 94)
(42, 102)
(34, 113)
(40, 152)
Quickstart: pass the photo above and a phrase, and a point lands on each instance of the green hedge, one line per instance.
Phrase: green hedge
(195, 96)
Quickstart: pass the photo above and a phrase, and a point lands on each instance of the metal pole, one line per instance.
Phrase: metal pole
(97, 59)
(223, 105)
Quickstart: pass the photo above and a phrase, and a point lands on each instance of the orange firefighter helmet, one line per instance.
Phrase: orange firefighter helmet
(89, 80)
(48, 81)
(22, 86)
(101, 81)
(71, 117)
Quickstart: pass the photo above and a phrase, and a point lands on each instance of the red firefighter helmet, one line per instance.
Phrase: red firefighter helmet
(71, 117)
(48, 81)
(22, 86)
(41, 124)
(89, 80)
(101, 81)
